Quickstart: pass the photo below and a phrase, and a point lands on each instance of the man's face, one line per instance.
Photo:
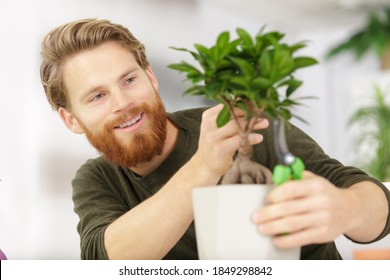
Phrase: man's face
(115, 103)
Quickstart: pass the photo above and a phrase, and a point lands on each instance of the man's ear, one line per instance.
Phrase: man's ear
(152, 77)
(70, 121)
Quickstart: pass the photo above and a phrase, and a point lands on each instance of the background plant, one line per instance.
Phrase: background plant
(373, 123)
(254, 74)
(374, 36)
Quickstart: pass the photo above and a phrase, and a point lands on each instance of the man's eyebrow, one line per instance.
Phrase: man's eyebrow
(89, 91)
(127, 73)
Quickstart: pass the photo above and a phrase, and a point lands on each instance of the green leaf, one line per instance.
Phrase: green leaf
(229, 49)
(292, 85)
(192, 72)
(288, 103)
(273, 37)
(223, 39)
(245, 67)
(282, 57)
(194, 54)
(245, 37)
(202, 49)
(261, 83)
(284, 63)
(259, 44)
(223, 116)
(285, 114)
(241, 83)
(297, 46)
(183, 67)
(214, 57)
(300, 62)
(225, 75)
(195, 90)
(265, 64)
(213, 89)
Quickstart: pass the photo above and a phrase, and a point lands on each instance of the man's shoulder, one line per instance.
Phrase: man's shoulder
(192, 112)
(95, 167)
(188, 116)
(97, 162)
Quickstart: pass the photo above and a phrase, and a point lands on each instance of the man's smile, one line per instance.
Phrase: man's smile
(130, 122)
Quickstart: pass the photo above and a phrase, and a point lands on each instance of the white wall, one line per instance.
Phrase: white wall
(39, 156)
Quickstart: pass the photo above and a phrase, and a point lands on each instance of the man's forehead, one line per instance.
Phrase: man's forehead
(95, 67)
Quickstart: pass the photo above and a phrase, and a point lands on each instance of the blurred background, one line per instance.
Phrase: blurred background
(39, 156)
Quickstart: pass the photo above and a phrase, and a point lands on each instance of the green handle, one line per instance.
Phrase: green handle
(283, 173)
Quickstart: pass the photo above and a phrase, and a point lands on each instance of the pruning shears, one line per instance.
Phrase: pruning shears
(290, 166)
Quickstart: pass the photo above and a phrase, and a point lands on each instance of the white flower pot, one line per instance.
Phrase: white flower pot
(223, 224)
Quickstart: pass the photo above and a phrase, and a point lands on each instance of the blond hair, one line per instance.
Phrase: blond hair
(73, 37)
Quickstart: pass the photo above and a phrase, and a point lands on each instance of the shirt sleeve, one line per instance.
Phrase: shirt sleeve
(97, 204)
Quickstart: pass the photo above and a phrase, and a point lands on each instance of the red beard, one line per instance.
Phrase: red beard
(143, 146)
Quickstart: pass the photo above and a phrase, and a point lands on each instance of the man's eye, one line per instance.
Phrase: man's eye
(129, 80)
(97, 97)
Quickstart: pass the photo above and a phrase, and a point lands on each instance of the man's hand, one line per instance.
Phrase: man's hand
(312, 210)
(218, 145)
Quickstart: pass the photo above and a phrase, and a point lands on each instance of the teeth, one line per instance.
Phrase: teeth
(131, 122)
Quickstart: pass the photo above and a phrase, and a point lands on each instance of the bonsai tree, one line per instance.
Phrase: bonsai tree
(255, 74)
(374, 132)
(374, 36)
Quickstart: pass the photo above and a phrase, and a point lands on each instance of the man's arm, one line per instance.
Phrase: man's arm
(372, 203)
(151, 229)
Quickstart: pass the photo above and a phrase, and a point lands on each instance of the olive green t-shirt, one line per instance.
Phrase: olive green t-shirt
(102, 191)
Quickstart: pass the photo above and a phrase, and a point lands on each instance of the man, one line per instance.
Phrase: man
(134, 202)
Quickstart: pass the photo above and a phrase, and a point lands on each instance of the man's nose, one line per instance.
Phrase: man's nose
(120, 100)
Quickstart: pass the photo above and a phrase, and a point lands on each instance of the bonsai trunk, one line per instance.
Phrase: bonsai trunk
(244, 170)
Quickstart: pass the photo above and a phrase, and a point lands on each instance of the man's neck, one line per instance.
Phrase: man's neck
(170, 143)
